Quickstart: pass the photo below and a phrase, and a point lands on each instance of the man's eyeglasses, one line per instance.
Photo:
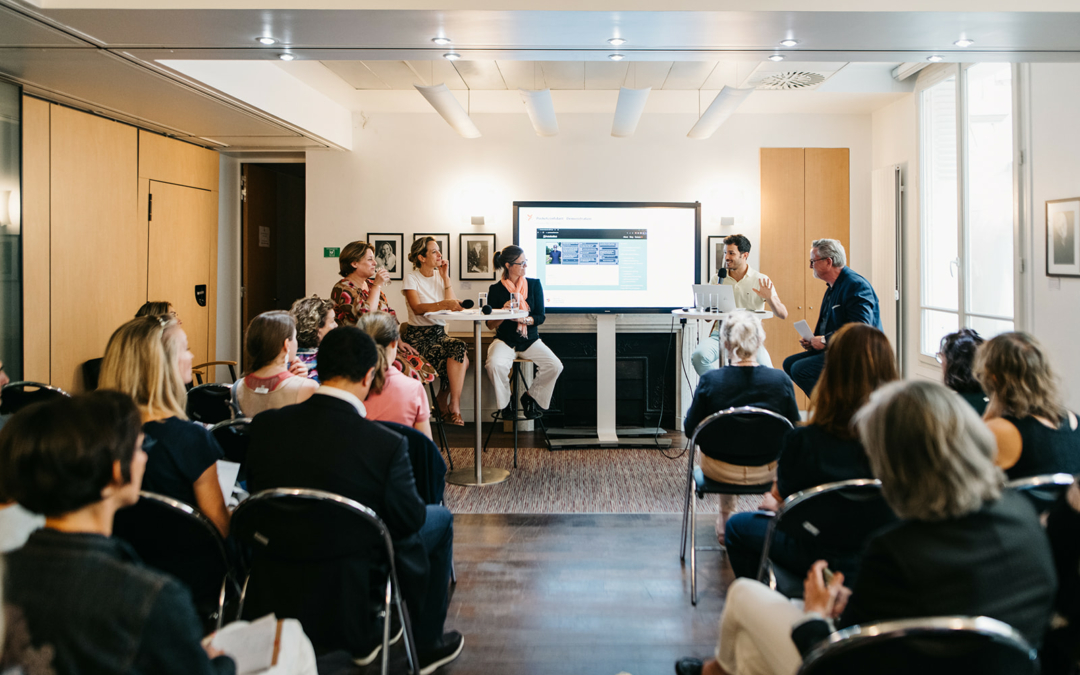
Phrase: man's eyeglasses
(816, 260)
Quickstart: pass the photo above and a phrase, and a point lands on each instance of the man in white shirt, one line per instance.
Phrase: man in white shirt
(753, 290)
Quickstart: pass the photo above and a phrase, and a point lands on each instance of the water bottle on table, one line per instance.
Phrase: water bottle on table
(514, 304)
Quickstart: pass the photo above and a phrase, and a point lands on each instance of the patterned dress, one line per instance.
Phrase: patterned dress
(351, 302)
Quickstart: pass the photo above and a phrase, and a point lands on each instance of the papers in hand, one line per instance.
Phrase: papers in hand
(227, 473)
(253, 646)
(804, 330)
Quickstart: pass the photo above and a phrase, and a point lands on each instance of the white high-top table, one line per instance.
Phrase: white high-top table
(477, 475)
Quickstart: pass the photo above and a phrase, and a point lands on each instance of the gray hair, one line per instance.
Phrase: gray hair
(831, 249)
(932, 453)
(741, 334)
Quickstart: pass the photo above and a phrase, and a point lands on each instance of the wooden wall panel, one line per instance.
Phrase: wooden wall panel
(98, 239)
(35, 240)
(828, 211)
(171, 161)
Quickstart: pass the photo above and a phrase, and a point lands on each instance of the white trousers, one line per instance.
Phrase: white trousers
(755, 631)
(500, 359)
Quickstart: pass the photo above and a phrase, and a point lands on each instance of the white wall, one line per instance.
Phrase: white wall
(228, 262)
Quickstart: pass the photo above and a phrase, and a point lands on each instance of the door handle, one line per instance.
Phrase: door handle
(200, 295)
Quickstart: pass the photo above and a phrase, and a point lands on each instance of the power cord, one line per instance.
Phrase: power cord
(667, 354)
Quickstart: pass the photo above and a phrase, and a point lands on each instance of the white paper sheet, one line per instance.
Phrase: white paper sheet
(251, 645)
(226, 475)
(804, 330)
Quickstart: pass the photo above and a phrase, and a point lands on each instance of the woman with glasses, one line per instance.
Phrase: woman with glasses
(515, 337)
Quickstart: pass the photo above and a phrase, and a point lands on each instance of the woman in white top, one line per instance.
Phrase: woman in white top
(428, 289)
(272, 380)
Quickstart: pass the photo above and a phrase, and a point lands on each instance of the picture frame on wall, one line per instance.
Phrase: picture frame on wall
(1063, 237)
(441, 238)
(390, 253)
(716, 257)
(476, 252)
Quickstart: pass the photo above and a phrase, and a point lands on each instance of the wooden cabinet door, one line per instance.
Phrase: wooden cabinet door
(828, 213)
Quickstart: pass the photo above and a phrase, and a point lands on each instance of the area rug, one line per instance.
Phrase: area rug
(580, 481)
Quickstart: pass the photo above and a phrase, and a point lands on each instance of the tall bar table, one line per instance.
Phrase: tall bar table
(477, 475)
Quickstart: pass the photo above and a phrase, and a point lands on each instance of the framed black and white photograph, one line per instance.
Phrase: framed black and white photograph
(476, 251)
(442, 239)
(389, 253)
(1063, 238)
(716, 258)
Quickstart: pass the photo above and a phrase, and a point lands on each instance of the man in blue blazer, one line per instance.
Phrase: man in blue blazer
(849, 299)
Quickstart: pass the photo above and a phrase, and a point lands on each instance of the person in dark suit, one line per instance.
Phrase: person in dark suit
(349, 455)
(849, 299)
(962, 546)
(556, 255)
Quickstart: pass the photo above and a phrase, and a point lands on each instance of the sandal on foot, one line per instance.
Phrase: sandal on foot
(455, 419)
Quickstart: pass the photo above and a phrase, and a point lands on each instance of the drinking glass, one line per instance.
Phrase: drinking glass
(481, 299)
(513, 302)
(699, 301)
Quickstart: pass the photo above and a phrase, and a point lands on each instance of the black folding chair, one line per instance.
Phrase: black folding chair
(209, 367)
(745, 436)
(1043, 491)
(232, 436)
(833, 520)
(211, 403)
(91, 373)
(322, 559)
(942, 644)
(176, 538)
(18, 395)
(438, 425)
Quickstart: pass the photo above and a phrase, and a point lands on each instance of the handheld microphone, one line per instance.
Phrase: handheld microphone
(721, 273)
(467, 304)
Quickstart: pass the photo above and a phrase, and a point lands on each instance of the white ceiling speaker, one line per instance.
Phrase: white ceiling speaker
(446, 105)
(628, 111)
(721, 108)
(541, 111)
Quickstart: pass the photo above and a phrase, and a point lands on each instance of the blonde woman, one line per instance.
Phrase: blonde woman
(148, 359)
(276, 377)
(393, 397)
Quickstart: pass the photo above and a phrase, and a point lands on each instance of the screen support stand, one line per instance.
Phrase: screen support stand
(605, 434)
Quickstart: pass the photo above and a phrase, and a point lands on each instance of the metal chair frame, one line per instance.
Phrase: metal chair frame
(197, 370)
(794, 500)
(856, 637)
(1055, 483)
(22, 384)
(392, 594)
(690, 506)
(516, 375)
(437, 418)
(234, 409)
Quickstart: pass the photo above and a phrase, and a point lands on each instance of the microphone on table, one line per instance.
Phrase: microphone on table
(469, 304)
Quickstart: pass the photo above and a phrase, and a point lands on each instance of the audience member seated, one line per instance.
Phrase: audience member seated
(1061, 654)
(393, 396)
(956, 356)
(148, 359)
(1035, 433)
(325, 443)
(858, 360)
(276, 378)
(314, 319)
(743, 382)
(80, 598)
(963, 547)
(16, 523)
(159, 308)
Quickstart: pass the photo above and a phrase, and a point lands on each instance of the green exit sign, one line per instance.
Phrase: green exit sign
(329, 252)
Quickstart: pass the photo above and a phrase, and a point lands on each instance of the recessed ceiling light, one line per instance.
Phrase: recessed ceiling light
(441, 40)
(286, 57)
(266, 40)
(934, 59)
(616, 57)
(617, 41)
(451, 56)
(776, 57)
(964, 42)
(789, 42)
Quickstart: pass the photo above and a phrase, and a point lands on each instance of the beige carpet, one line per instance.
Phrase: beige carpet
(580, 481)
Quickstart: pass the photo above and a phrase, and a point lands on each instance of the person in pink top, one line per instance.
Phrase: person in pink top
(394, 396)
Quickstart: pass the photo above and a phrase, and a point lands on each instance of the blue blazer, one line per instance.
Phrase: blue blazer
(851, 299)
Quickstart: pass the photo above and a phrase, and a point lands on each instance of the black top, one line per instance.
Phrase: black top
(812, 456)
(995, 562)
(1045, 450)
(89, 598)
(179, 452)
(976, 399)
(507, 330)
(733, 386)
(851, 299)
(1063, 529)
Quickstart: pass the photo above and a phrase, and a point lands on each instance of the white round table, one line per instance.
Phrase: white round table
(477, 475)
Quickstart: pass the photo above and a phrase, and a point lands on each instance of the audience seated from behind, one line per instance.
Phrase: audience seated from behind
(326, 443)
(276, 378)
(148, 359)
(78, 600)
(963, 546)
(1035, 433)
(314, 319)
(743, 382)
(16, 523)
(1061, 653)
(159, 308)
(858, 360)
(956, 356)
(394, 396)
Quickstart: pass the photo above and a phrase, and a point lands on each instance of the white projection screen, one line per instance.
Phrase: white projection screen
(611, 257)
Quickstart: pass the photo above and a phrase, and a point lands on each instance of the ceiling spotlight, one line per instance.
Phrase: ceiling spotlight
(266, 40)
(451, 56)
(935, 58)
(616, 57)
(286, 57)
(964, 42)
(789, 42)
(441, 40)
(776, 57)
(616, 41)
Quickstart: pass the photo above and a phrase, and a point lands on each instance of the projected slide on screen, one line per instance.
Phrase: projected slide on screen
(623, 256)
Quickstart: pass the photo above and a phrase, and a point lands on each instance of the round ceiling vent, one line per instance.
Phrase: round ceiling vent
(791, 80)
